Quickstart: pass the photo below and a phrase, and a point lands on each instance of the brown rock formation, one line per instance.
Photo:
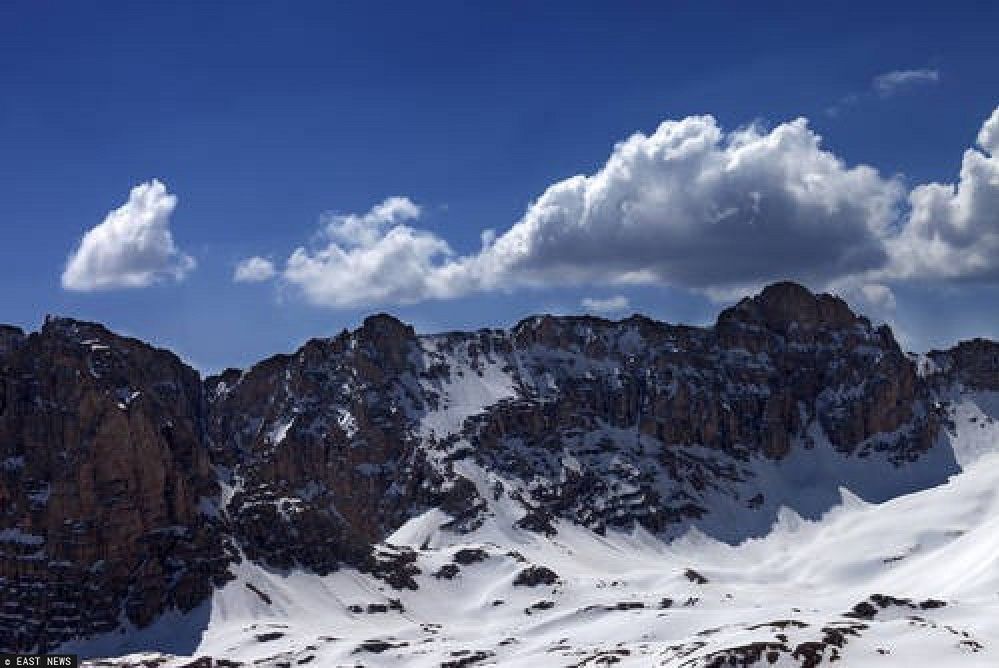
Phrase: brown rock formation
(103, 468)
(973, 363)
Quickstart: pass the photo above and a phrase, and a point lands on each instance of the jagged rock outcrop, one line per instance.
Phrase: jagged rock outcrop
(128, 485)
(638, 403)
(974, 364)
(103, 471)
(324, 460)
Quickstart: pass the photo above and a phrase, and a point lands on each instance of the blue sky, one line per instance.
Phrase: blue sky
(272, 124)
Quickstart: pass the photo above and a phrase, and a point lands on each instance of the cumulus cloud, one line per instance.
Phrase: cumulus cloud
(373, 257)
(878, 295)
(872, 298)
(693, 206)
(365, 230)
(953, 229)
(609, 306)
(889, 83)
(132, 248)
(254, 270)
(689, 206)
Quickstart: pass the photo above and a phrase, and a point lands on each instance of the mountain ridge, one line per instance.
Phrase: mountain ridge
(313, 459)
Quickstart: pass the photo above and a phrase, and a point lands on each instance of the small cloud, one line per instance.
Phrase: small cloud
(844, 103)
(254, 270)
(608, 306)
(366, 229)
(878, 295)
(889, 83)
(374, 257)
(867, 296)
(131, 248)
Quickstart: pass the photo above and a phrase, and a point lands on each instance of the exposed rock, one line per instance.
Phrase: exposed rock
(533, 576)
(447, 572)
(323, 450)
(538, 521)
(377, 646)
(470, 555)
(261, 595)
(539, 605)
(467, 658)
(973, 363)
(695, 577)
(11, 338)
(105, 513)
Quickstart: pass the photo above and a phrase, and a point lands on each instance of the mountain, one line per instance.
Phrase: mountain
(571, 491)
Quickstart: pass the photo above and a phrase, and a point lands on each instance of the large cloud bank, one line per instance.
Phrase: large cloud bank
(689, 206)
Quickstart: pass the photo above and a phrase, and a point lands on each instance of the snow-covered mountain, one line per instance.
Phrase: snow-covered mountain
(786, 487)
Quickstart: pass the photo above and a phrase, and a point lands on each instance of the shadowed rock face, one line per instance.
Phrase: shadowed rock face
(973, 363)
(102, 468)
(322, 448)
(693, 407)
(127, 485)
(787, 306)
(10, 338)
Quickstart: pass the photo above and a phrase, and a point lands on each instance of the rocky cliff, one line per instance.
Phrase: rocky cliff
(103, 479)
(128, 486)
(974, 364)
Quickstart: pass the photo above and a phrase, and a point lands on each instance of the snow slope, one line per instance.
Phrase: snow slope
(909, 581)
(631, 597)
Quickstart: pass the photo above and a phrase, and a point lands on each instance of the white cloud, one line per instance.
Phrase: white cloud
(878, 295)
(953, 229)
(374, 257)
(693, 206)
(689, 206)
(254, 270)
(132, 247)
(871, 298)
(608, 306)
(890, 83)
(988, 136)
(845, 102)
(365, 230)
(884, 86)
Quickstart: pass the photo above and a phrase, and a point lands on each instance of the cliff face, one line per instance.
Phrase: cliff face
(660, 421)
(974, 364)
(127, 485)
(102, 470)
(321, 456)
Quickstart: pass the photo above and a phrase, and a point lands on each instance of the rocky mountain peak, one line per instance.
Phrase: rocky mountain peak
(385, 326)
(387, 338)
(787, 305)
